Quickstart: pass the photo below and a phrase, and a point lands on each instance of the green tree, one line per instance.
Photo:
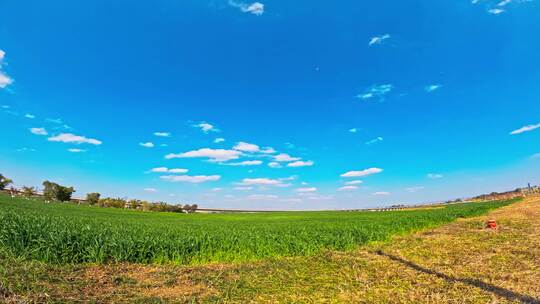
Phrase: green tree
(28, 192)
(4, 182)
(93, 198)
(54, 191)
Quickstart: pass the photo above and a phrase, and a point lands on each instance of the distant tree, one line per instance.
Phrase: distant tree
(92, 198)
(4, 182)
(54, 191)
(28, 192)
(190, 208)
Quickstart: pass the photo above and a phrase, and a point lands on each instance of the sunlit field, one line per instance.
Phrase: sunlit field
(67, 233)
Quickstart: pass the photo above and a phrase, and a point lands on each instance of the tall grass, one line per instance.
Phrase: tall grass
(65, 233)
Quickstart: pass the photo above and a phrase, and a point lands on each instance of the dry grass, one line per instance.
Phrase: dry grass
(458, 263)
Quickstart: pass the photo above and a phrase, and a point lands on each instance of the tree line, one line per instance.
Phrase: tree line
(58, 193)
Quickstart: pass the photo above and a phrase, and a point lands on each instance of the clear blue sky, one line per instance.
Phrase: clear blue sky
(272, 104)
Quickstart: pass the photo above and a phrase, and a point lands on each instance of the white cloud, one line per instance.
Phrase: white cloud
(414, 189)
(285, 158)
(268, 150)
(147, 144)
(206, 127)
(262, 197)
(246, 147)
(219, 140)
(361, 173)
(162, 134)
(261, 182)
(245, 163)
(376, 91)
(76, 139)
(255, 8)
(243, 188)
(432, 87)
(435, 175)
(274, 165)
(374, 141)
(165, 169)
(75, 150)
(382, 193)
(496, 11)
(353, 130)
(504, 2)
(39, 131)
(525, 129)
(54, 120)
(216, 189)
(348, 188)
(306, 190)
(354, 182)
(30, 116)
(191, 179)
(150, 189)
(300, 163)
(378, 39)
(214, 155)
(5, 80)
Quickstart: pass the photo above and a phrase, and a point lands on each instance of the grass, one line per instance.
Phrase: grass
(70, 234)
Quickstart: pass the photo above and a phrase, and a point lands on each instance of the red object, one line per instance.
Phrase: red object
(491, 224)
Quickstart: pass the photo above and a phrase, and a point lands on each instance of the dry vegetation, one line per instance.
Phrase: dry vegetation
(461, 262)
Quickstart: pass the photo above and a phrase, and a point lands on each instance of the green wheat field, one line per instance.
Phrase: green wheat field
(63, 233)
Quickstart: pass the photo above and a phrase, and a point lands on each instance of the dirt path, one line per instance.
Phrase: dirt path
(458, 263)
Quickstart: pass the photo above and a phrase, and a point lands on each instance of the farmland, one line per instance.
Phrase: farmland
(58, 233)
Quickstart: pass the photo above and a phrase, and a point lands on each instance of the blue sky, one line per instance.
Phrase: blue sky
(272, 104)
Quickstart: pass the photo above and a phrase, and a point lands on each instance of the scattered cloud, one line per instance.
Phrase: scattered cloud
(150, 189)
(147, 144)
(191, 179)
(348, 188)
(30, 116)
(268, 150)
(381, 193)
(262, 197)
(246, 147)
(245, 163)
(219, 140)
(5, 80)
(378, 39)
(376, 91)
(75, 150)
(162, 134)
(433, 87)
(165, 170)
(75, 139)
(496, 11)
(214, 155)
(255, 8)
(285, 158)
(354, 182)
(306, 190)
(261, 182)
(206, 127)
(39, 131)
(300, 163)
(374, 141)
(353, 130)
(243, 188)
(414, 189)
(435, 175)
(525, 129)
(54, 120)
(274, 165)
(26, 150)
(361, 173)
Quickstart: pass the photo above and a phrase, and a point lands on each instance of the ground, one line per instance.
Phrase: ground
(461, 262)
